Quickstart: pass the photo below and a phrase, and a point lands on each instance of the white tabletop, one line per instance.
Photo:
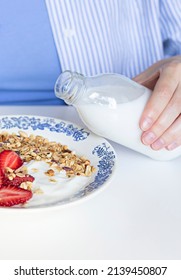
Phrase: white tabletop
(138, 216)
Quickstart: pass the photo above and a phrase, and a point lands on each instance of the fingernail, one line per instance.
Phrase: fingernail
(172, 146)
(146, 124)
(158, 144)
(148, 138)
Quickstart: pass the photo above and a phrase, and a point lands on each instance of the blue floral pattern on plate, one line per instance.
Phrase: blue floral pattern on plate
(26, 122)
(103, 151)
(104, 166)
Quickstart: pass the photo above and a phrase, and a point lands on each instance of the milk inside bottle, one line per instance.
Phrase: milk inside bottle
(110, 105)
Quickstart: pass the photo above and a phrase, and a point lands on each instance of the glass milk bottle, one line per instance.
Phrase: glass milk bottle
(110, 105)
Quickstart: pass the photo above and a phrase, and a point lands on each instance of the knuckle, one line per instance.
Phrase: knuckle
(174, 65)
(173, 69)
(171, 135)
(175, 105)
(168, 137)
(159, 128)
(164, 91)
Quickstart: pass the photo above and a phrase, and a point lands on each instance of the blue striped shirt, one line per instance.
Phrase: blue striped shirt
(122, 36)
(39, 39)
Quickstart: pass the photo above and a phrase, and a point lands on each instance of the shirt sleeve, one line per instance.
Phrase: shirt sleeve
(170, 20)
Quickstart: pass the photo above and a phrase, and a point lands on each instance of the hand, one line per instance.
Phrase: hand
(161, 118)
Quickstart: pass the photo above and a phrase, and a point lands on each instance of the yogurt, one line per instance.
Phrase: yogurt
(50, 190)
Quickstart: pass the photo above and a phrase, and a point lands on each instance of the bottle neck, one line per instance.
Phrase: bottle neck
(70, 86)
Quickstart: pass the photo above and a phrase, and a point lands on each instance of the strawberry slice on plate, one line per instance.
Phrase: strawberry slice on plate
(10, 159)
(16, 182)
(1, 177)
(11, 195)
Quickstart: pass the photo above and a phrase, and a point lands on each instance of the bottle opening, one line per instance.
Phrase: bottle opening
(62, 84)
(68, 86)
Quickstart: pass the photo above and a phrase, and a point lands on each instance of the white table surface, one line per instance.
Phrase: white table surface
(138, 216)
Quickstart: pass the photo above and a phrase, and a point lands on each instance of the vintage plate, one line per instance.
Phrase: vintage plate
(82, 141)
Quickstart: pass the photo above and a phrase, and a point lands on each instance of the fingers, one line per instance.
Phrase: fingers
(166, 131)
(161, 118)
(170, 139)
(165, 88)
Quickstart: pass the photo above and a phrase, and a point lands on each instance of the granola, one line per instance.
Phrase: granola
(36, 147)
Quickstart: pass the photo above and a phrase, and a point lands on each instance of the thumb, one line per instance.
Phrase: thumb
(148, 78)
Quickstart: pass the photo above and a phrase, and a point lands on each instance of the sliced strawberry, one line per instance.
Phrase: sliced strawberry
(10, 196)
(1, 177)
(16, 182)
(10, 159)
